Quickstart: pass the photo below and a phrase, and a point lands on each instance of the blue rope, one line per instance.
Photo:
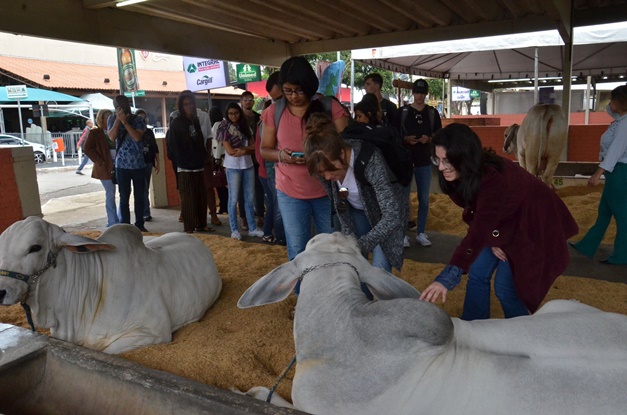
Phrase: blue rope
(276, 384)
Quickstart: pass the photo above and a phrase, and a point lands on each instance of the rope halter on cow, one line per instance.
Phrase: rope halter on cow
(30, 281)
(302, 275)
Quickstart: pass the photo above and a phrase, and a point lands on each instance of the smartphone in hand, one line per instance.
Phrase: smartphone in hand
(298, 154)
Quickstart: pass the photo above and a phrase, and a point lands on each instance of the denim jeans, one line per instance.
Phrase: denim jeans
(84, 162)
(112, 214)
(422, 176)
(279, 231)
(244, 179)
(297, 216)
(125, 177)
(147, 176)
(362, 227)
(271, 226)
(477, 301)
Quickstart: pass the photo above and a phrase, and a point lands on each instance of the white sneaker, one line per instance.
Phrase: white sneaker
(423, 240)
(236, 235)
(256, 232)
(406, 242)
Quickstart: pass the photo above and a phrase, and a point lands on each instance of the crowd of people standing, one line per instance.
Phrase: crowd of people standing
(296, 170)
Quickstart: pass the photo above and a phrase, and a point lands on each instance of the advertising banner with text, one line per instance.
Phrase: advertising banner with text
(202, 73)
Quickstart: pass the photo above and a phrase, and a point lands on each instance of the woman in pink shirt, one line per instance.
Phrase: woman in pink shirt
(301, 198)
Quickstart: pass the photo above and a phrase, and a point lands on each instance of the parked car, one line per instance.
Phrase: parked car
(39, 150)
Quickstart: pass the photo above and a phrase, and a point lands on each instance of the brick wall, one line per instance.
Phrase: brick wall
(170, 180)
(10, 204)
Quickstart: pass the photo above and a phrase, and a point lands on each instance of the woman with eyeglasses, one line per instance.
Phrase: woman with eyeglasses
(301, 198)
(517, 226)
(237, 139)
(373, 211)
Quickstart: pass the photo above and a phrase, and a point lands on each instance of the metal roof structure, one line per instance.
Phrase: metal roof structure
(268, 31)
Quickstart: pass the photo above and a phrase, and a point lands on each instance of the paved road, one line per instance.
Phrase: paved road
(57, 181)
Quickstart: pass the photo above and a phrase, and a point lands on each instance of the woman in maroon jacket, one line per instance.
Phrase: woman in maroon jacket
(517, 225)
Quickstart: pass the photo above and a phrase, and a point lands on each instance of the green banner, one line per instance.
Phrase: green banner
(475, 94)
(247, 73)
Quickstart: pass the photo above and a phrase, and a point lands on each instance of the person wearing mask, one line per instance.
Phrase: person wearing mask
(127, 131)
(516, 223)
(613, 201)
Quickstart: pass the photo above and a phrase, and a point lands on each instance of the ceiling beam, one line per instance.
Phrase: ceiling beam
(120, 28)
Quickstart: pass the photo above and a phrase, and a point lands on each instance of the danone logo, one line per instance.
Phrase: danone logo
(191, 68)
(205, 80)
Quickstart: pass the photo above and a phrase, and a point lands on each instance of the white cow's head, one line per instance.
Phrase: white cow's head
(321, 250)
(510, 146)
(29, 246)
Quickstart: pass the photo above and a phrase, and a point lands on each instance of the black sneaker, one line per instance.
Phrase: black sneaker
(142, 228)
(79, 172)
(147, 218)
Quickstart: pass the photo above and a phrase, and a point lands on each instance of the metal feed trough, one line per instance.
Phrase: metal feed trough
(45, 376)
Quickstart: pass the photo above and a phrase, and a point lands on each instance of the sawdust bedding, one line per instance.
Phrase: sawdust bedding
(230, 347)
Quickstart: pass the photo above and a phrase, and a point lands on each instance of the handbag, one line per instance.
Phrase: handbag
(114, 180)
(219, 175)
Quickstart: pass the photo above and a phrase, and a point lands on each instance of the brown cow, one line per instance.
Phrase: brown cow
(539, 141)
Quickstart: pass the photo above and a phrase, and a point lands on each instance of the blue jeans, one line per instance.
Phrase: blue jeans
(112, 214)
(297, 215)
(477, 301)
(245, 179)
(147, 177)
(270, 223)
(422, 175)
(279, 231)
(362, 227)
(125, 177)
(84, 162)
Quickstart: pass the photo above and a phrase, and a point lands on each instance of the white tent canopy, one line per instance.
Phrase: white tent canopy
(597, 50)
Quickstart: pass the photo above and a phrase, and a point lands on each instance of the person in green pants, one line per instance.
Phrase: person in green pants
(613, 201)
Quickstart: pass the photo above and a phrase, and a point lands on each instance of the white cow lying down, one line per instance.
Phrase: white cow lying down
(400, 355)
(112, 294)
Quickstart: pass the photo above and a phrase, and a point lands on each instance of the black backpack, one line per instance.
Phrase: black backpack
(387, 140)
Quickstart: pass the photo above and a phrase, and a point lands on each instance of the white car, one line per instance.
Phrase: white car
(39, 150)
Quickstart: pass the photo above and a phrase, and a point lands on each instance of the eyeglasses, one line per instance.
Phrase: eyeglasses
(232, 114)
(290, 92)
(342, 204)
(436, 162)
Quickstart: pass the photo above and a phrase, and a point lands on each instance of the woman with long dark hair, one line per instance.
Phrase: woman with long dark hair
(189, 152)
(517, 225)
(237, 139)
(301, 198)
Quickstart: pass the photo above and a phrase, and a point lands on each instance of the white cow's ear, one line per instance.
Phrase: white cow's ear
(272, 287)
(386, 286)
(81, 245)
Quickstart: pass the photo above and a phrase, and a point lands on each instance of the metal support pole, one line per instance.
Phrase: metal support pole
(535, 77)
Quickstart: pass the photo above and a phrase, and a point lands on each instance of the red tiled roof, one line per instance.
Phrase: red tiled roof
(64, 75)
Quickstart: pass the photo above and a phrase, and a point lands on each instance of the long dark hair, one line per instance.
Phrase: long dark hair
(466, 154)
(187, 94)
(242, 125)
(371, 108)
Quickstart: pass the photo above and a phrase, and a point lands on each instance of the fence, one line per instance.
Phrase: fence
(70, 139)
